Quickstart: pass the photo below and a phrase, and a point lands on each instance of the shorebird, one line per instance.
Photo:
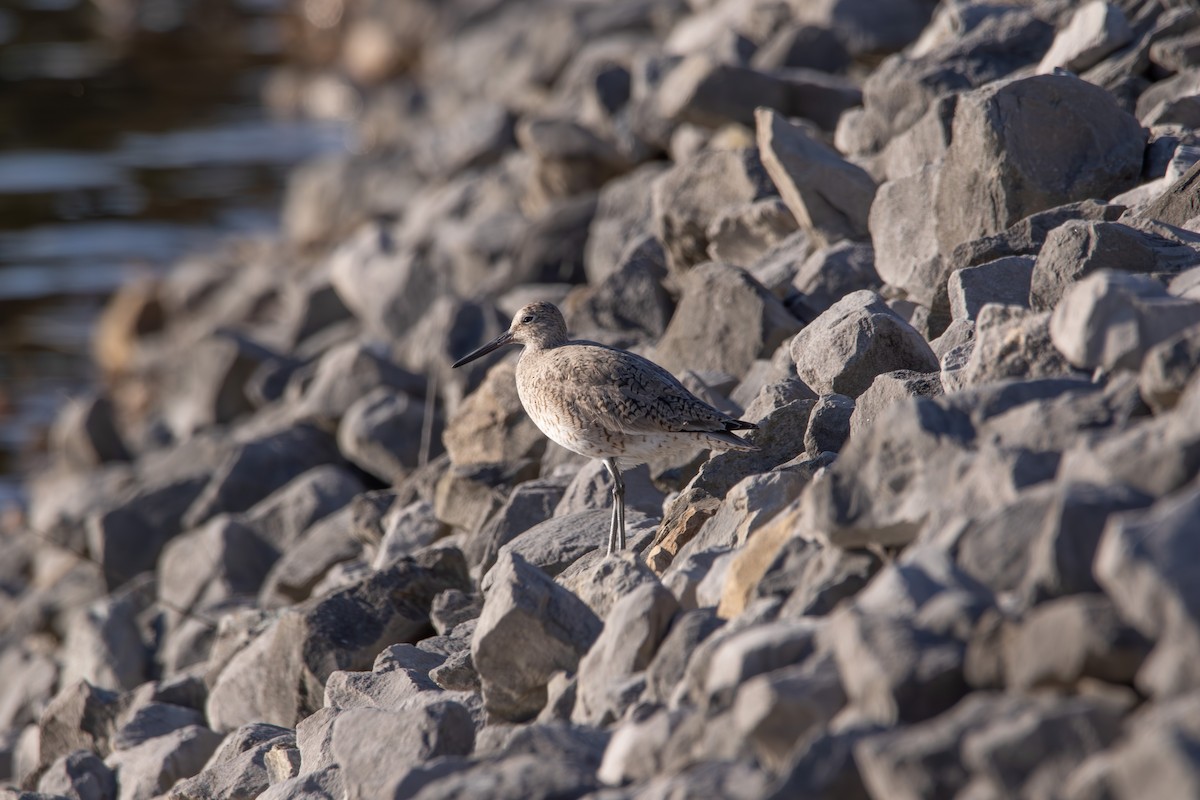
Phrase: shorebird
(606, 403)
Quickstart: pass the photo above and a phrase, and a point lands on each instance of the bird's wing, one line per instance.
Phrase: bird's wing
(623, 392)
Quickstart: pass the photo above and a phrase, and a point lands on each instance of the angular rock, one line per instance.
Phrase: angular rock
(154, 766)
(1010, 342)
(691, 342)
(858, 338)
(237, 770)
(105, 644)
(903, 227)
(1178, 204)
(343, 630)
(600, 581)
(324, 784)
(555, 544)
(490, 426)
(282, 516)
(382, 433)
(828, 424)
(85, 433)
(742, 235)
(529, 628)
(511, 778)
(150, 721)
(79, 717)
(995, 170)
(1167, 368)
(1144, 564)
(706, 92)
(1096, 29)
(1075, 637)
(376, 748)
(776, 711)
(80, 775)
(623, 216)
(890, 388)
(259, 467)
(408, 530)
(1109, 320)
(828, 196)
(830, 274)
(632, 632)
(688, 197)
(295, 576)
(1004, 281)
(630, 302)
(530, 503)
(1077, 249)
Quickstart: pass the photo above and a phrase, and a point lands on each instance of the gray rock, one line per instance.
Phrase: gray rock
(1005, 162)
(1178, 204)
(1096, 29)
(995, 547)
(212, 389)
(1004, 281)
(457, 673)
(713, 679)
(831, 273)
(1080, 248)
(777, 710)
(1011, 342)
(383, 282)
(79, 775)
(801, 45)
(154, 766)
(623, 216)
(1167, 368)
(903, 227)
(691, 343)
(85, 433)
(1060, 561)
(294, 577)
(709, 93)
(375, 748)
(828, 196)
(324, 784)
(343, 630)
(452, 608)
(555, 544)
(409, 529)
(1072, 638)
(858, 338)
(490, 426)
(221, 561)
(282, 516)
(151, 720)
(636, 750)
(382, 433)
(1144, 566)
(79, 717)
(529, 628)
(630, 303)
(513, 778)
(259, 467)
(104, 642)
(32, 678)
(999, 744)
(1109, 320)
(742, 235)
(1154, 756)
(600, 580)
(343, 375)
(237, 770)
(815, 579)
(466, 497)
(688, 197)
(1026, 238)
(632, 632)
(888, 389)
(529, 504)
(828, 424)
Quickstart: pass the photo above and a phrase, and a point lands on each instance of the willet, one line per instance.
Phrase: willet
(606, 403)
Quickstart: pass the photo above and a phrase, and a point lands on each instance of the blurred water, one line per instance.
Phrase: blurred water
(131, 133)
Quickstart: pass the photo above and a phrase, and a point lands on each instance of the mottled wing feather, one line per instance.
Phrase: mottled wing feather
(625, 393)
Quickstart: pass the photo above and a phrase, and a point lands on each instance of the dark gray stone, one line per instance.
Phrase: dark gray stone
(529, 628)
(828, 424)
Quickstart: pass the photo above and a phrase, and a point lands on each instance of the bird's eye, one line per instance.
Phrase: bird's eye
(528, 318)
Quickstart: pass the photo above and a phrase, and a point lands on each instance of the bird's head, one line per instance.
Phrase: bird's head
(538, 325)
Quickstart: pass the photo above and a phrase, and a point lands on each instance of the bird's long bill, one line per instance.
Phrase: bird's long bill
(494, 344)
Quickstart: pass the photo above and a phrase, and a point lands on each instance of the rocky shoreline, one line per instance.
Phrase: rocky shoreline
(946, 256)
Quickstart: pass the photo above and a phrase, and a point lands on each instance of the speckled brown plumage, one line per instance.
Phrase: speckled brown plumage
(606, 403)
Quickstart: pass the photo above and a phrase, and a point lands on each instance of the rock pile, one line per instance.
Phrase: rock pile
(947, 256)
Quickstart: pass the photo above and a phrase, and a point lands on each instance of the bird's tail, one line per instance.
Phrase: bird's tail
(724, 440)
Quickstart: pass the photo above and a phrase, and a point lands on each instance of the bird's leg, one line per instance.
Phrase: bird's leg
(618, 499)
